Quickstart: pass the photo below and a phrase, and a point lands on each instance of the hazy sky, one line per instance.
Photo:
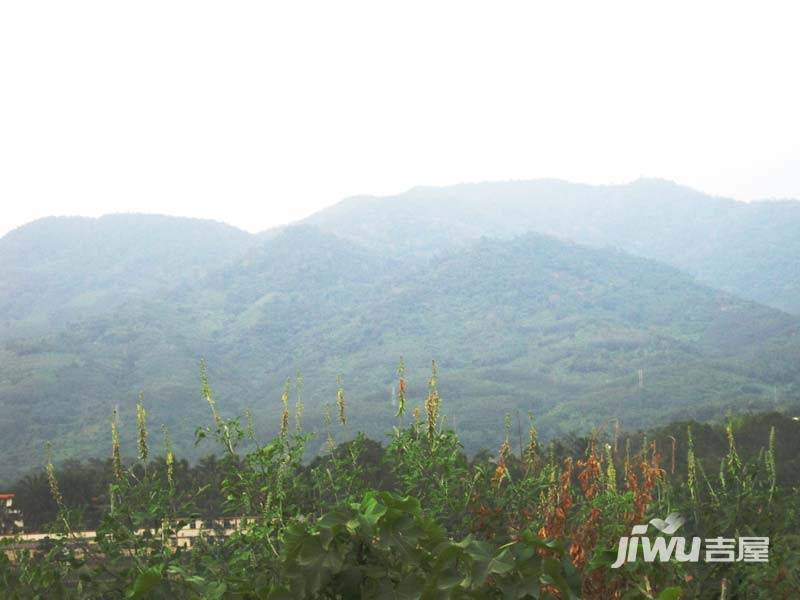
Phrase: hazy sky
(259, 113)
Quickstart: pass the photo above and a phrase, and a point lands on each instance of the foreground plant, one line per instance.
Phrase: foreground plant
(416, 520)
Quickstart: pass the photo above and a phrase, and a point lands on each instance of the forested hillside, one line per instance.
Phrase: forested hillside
(576, 333)
(750, 249)
(56, 270)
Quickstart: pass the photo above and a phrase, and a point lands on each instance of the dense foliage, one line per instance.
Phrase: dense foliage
(418, 519)
(748, 248)
(527, 324)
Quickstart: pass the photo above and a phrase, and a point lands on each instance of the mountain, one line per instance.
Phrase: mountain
(749, 249)
(61, 268)
(575, 333)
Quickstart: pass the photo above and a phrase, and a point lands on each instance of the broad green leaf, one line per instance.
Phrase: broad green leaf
(145, 583)
(670, 593)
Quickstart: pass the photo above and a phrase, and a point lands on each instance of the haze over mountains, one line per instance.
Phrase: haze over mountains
(750, 249)
(647, 302)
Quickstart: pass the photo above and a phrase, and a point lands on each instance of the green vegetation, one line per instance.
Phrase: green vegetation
(57, 270)
(576, 334)
(749, 249)
(416, 519)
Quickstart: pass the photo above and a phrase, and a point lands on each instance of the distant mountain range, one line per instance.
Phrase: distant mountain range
(749, 249)
(646, 302)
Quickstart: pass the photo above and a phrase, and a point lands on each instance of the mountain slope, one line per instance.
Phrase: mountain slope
(576, 334)
(62, 268)
(752, 250)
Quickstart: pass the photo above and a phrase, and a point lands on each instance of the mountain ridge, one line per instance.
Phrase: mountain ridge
(750, 249)
(527, 323)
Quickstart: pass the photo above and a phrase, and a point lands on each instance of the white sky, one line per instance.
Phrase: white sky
(259, 113)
